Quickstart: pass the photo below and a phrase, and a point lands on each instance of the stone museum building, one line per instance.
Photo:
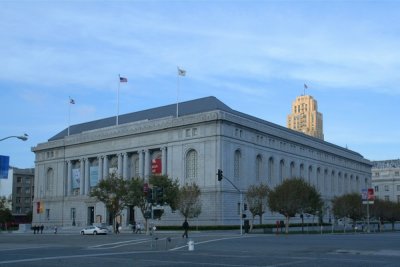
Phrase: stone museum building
(206, 135)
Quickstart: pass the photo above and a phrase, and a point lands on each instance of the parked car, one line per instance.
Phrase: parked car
(94, 230)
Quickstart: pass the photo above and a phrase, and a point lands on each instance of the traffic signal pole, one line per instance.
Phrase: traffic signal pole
(220, 176)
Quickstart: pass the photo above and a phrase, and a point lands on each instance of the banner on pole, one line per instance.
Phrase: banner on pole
(4, 166)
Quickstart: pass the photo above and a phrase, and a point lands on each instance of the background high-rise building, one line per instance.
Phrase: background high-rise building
(305, 117)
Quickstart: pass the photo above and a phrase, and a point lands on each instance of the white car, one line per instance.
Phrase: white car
(94, 230)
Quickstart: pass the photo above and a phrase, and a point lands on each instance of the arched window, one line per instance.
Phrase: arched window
(191, 165)
(270, 169)
(302, 170)
(340, 183)
(292, 170)
(333, 182)
(326, 184)
(281, 170)
(318, 180)
(258, 167)
(309, 174)
(237, 160)
(49, 179)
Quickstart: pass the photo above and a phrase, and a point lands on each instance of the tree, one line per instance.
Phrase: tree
(348, 206)
(113, 192)
(385, 210)
(5, 212)
(163, 190)
(189, 204)
(257, 199)
(294, 196)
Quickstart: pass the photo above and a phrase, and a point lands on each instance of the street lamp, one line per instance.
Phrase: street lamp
(22, 137)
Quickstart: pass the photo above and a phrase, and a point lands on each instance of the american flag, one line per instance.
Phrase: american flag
(71, 101)
(181, 72)
(123, 80)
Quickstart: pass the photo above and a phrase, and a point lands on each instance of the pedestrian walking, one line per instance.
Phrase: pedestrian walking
(41, 229)
(117, 228)
(133, 227)
(185, 227)
(138, 228)
(55, 229)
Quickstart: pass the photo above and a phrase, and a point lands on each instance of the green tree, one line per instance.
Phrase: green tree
(170, 190)
(168, 194)
(348, 206)
(385, 210)
(294, 196)
(5, 212)
(113, 192)
(189, 203)
(257, 200)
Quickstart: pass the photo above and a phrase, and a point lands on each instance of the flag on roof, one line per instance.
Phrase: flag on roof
(181, 72)
(123, 80)
(71, 101)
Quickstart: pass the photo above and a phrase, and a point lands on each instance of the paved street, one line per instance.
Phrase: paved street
(210, 249)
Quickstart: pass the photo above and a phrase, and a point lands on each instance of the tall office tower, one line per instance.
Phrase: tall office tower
(305, 117)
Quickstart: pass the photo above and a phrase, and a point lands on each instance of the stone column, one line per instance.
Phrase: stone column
(141, 160)
(100, 167)
(164, 160)
(82, 178)
(87, 176)
(69, 181)
(125, 167)
(105, 167)
(119, 171)
(146, 164)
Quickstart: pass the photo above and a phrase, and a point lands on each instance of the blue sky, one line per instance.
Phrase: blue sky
(255, 56)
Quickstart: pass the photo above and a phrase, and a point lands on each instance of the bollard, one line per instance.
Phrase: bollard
(191, 245)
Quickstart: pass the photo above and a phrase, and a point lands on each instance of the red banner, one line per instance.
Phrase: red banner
(156, 166)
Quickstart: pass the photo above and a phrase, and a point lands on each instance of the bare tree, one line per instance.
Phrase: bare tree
(189, 204)
(257, 199)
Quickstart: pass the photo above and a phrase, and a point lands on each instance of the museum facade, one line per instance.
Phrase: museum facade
(206, 136)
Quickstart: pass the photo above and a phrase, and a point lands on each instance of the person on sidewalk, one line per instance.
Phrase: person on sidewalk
(117, 228)
(185, 227)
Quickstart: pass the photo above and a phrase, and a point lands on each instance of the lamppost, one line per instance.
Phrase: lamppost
(22, 137)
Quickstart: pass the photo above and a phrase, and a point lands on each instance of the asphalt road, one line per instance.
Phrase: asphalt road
(210, 249)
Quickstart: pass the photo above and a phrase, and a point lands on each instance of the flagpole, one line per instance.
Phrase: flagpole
(119, 83)
(177, 94)
(69, 113)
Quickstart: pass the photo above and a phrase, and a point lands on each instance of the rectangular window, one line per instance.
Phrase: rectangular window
(398, 187)
(398, 198)
(386, 198)
(396, 173)
(47, 214)
(386, 187)
(19, 179)
(376, 188)
(187, 133)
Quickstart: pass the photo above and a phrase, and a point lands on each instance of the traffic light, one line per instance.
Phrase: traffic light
(219, 174)
(150, 198)
(160, 195)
